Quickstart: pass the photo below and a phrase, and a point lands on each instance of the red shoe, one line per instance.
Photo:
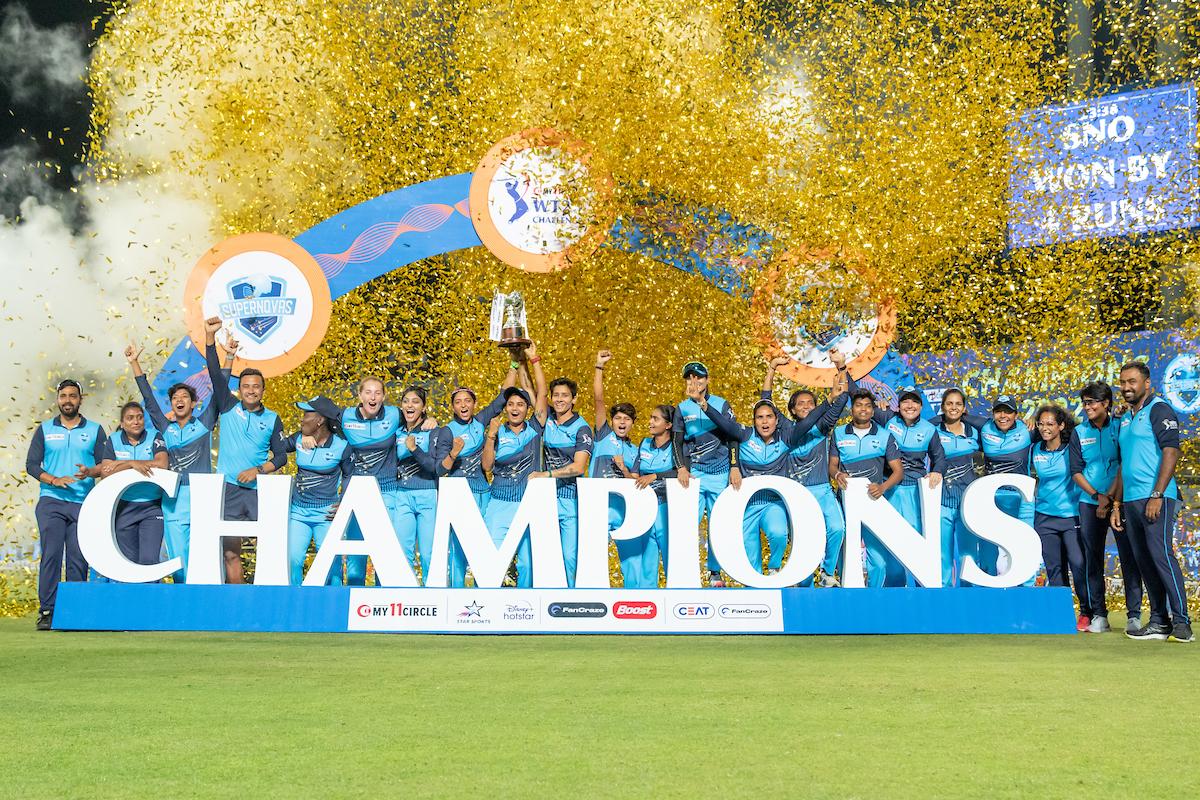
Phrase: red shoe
(1082, 623)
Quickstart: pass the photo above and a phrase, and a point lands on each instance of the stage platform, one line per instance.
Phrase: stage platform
(165, 607)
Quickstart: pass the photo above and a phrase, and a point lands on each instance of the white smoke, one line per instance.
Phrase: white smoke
(45, 66)
(85, 271)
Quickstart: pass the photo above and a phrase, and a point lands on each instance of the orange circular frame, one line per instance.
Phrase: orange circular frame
(500, 247)
(764, 329)
(193, 297)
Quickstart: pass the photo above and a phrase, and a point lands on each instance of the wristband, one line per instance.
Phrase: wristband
(535, 359)
(600, 368)
(513, 365)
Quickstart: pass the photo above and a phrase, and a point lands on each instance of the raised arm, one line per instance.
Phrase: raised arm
(773, 364)
(602, 358)
(726, 423)
(487, 458)
(222, 399)
(157, 418)
(541, 406)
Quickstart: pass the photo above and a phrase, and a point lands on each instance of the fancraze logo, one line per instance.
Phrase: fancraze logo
(694, 611)
(397, 610)
(635, 609)
(591, 610)
(744, 611)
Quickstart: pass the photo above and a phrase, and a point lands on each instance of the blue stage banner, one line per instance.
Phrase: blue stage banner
(1118, 165)
(191, 607)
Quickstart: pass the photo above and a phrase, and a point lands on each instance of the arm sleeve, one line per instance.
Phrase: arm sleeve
(603, 431)
(222, 399)
(37, 453)
(583, 440)
(290, 442)
(682, 454)
(975, 420)
(490, 411)
(109, 453)
(431, 459)
(279, 451)
(765, 395)
(1075, 454)
(100, 446)
(836, 409)
(157, 417)
(1165, 426)
(937, 455)
(893, 450)
(727, 424)
(157, 446)
(883, 416)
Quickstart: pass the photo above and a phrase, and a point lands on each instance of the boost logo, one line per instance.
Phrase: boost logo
(635, 609)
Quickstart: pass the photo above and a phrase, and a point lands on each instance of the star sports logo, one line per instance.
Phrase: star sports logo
(471, 610)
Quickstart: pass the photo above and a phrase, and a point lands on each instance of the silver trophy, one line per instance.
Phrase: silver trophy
(513, 335)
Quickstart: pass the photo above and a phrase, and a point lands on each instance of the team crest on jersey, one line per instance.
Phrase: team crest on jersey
(257, 304)
(1181, 383)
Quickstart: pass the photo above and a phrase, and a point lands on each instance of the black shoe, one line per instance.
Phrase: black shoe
(44, 620)
(1182, 632)
(1152, 632)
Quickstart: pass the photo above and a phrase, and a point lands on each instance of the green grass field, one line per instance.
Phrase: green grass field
(304, 715)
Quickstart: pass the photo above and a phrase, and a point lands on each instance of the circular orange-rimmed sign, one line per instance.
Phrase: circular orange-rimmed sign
(271, 295)
(863, 347)
(539, 202)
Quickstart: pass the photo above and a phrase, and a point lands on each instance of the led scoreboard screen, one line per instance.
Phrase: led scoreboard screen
(1118, 165)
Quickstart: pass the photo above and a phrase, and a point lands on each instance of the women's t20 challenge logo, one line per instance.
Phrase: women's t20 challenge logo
(538, 201)
(1181, 383)
(269, 293)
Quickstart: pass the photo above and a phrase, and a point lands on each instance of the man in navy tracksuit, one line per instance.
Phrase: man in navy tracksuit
(249, 433)
(62, 454)
(1148, 440)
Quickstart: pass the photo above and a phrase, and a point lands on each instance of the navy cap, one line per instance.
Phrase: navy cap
(517, 390)
(696, 368)
(1005, 401)
(910, 393)
(322, 405)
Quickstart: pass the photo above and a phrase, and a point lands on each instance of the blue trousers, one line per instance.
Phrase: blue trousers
(1095, 534)
(1154, 546)
(883, 568)
(458, 559)
(57, 522)
(356, 566)
(639, 557)
(770, 517)
(835, 526)
(177, 527)
(139, 533)
(1062, 550)
(499, 517)
(568, 527)
(309, 524)
(413, 516)
(711, 486)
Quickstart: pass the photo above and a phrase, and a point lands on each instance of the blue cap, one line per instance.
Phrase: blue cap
(1005, 401)
(322, 405)
(696, 368)
(910, 393)
(517, 390)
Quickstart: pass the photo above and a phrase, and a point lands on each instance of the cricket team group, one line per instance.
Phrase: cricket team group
(1112, 470)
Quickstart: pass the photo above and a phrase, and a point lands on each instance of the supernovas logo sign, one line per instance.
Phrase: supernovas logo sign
(270, 295)
(1181, 383)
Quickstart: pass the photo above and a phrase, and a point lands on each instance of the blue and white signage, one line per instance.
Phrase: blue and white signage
(1111, 166)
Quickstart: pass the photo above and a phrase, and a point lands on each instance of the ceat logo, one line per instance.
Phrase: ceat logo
(697, 611)
(635, 609)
